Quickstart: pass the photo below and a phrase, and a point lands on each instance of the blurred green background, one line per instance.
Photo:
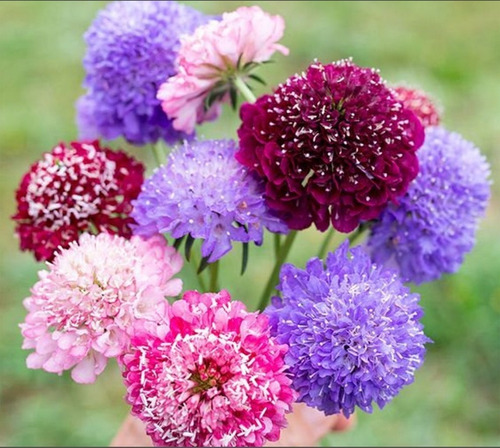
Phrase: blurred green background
(449, 49)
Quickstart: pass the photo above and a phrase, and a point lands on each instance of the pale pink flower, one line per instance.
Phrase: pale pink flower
(86, 307)
(214, 377)
(211, 56)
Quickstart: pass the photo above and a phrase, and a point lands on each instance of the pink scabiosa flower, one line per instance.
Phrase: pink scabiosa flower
(211, 58)
(75, 188)
(420, 104)
(212, 377)
(85, 308)
(333, 145)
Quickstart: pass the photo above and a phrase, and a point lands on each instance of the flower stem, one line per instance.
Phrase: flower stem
(273, 278)
(214, 274)
(244, 89)
(326, 242)
(277, 244)
(159, 153)
(199, 276)
(354, 236)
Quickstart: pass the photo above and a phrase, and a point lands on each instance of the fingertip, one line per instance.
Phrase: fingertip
(342, 423)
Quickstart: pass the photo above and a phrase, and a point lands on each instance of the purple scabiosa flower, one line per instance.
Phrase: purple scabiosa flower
(204, 192)
(432, 228)
(131, 49)
(334, 146)
(352, 328)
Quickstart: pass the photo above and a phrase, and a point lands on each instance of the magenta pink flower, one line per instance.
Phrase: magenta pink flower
(212, 56)
(212, 377)
(84, 309)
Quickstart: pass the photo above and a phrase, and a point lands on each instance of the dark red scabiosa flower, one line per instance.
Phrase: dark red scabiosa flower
(333, 145)
(420, 104)
(75, 188)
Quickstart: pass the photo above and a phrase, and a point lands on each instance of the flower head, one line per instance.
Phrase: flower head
(333, 145)
(204, 192)
(75, 188)
(432, 228)
(214, 377)
(420, 104)
(211, 56)
(131, 49)
(85, 308)
(352, 329)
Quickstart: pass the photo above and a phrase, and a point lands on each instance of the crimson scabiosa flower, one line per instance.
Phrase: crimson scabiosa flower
(85, 308)
(434, 225)
(420, 104)
(75, 188)
(203, 192)
(131, 49)
(333, 145)
(212, 376)
(352, 328)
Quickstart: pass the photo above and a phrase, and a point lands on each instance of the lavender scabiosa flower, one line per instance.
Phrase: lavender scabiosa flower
(131, 49)
(352, 328)
(432, 228)
(204, 192)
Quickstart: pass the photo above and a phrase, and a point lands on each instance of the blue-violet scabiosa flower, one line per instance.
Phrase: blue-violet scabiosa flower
(131, 49)
(352, 328)
(432, 228)
(204, 192)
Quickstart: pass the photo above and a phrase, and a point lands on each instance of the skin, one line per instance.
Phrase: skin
(306, 427)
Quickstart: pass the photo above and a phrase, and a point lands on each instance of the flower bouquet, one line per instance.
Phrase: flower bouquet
(334, 147)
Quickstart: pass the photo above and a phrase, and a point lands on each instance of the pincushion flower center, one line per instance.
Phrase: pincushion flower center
(209, 375)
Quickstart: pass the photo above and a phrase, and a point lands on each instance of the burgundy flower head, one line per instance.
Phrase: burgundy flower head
(333, 145)
(420, 104)
(75, 188)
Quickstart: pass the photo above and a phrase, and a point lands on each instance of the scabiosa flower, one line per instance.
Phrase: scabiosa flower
(432, 228)
(333, 145)
(131, 50)
(352, 329)
(75, 188)
(211, 57)
(84, 309)
(214, 377)
(420, 104)
(204, 192)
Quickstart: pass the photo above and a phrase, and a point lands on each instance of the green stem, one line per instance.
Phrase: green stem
(273, 278)
(326, 242)
(354, 236)
(158, 153)
(277, 244)
(195, 263)
(214, 274)
(201, 281)
(244, 89)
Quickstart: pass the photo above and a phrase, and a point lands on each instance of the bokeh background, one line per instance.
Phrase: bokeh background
(449, 49)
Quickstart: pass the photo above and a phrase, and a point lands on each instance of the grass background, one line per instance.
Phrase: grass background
(449, 49)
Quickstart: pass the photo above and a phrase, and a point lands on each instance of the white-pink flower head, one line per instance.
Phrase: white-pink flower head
(214, 377)
(210, 57)
(94, 296)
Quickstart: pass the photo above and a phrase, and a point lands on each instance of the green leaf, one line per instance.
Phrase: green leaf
(203, 264)
(239, 61)
(233, 93)
(244, 258)
(257, 78)
(178, 242)
(188, 246)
